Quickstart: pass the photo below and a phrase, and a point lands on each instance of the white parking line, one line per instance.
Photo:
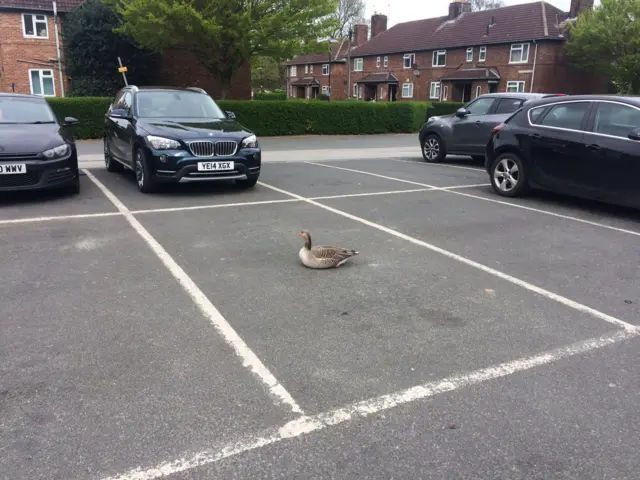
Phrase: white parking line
(250, 359)
(440, 165)
(58, 217)
(516, 281)
(508, 204)
(206, 207)
(309, 424)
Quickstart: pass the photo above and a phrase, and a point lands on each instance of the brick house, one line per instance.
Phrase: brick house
(520, 48)
(28, 55)
(28, 52)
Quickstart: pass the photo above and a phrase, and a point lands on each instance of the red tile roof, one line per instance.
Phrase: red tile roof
(44, 5)
(338, 52)
(525, 22)
(472, 74)
(379, 78)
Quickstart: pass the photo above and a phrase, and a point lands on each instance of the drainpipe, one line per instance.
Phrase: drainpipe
(55, 26)
(533, 73)
(349, 87)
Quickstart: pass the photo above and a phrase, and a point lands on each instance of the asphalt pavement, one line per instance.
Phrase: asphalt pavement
(178, 336)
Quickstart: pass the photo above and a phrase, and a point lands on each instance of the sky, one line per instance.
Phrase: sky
(400, 11)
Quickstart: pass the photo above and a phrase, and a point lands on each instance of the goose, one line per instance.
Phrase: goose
(323, 256)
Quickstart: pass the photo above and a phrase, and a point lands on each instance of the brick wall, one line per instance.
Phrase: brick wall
(338, 78)
(179, 68)
(19, 54)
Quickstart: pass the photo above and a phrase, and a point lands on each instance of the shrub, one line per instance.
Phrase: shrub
(443, 108)
(275, 118)
(89, 110)
(269, 96)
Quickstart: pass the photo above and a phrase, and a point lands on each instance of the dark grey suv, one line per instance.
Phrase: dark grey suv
(467, 131)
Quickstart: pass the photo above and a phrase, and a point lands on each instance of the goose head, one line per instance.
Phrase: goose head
(306, 237)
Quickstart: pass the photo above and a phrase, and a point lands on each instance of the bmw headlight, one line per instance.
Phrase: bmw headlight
(56, 152)
(161, 143)
(250, 142)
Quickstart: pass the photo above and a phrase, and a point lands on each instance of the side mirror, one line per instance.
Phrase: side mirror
(462, 112)
(119, 113)
(230, 115)
(71, 121)
(634, 134)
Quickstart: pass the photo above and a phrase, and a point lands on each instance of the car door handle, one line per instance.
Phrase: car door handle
(536, 135)
(478, 122)
(593, 146)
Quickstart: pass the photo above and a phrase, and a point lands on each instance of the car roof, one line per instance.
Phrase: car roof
(20, 95)
(518, 95)
(635, 101)
(161, 88)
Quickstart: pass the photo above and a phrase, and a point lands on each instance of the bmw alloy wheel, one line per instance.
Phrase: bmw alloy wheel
(107, 158)
(140, 174)
(506, 175)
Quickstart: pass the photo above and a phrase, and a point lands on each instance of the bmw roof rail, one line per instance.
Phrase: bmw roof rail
(197, 89)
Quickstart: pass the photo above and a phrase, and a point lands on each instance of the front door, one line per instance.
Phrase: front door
(612, 166)
(557, 146)
(469, 132)
(393, 90)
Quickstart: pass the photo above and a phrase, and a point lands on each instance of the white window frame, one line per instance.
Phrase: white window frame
(478, 90)
(355, 90)
(445, 93)
(325, 89)
(470, 54)
(381, 92)
(386, 61)
(325, 69)
(435, 90)
(311, 69)
(412, 60)
(358, 64)
(410, 88)
(513, 86)
(41, 70)
(482, 54)
(436, 55)
(34, 20)
(293, 71)
(378, 62)
(306, 69)
(521, 47)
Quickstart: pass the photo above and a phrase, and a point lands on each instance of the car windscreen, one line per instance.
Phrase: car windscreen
(177, 104)
(25, 110)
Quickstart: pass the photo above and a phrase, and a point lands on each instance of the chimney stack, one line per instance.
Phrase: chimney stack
(458, 7)
(579, 6)
(378, 24)
(360, 33)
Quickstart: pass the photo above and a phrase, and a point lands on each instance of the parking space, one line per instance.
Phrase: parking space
(493, 317)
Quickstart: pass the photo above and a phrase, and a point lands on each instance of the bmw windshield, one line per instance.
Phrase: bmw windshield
(171, 104)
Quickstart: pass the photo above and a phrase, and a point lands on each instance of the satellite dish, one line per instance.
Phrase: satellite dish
(416, 73)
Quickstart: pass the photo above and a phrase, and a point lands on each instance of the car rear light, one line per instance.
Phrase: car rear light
(497, 129)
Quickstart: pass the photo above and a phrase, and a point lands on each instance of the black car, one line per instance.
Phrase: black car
(466, 132)
(37, 151)
(586, 146)
(177, 135)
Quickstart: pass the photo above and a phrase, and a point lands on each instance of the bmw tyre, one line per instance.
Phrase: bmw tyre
(508, 175)
(109, 162)
(247, 182)
(144, 175)
(433, 149)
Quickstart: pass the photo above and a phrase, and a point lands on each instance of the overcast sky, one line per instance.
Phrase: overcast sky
(407, 10)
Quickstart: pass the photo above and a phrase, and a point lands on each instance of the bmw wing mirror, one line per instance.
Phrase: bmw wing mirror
(119, 113)
(230, 115)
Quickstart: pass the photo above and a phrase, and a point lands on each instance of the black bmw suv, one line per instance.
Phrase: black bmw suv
(177, 135)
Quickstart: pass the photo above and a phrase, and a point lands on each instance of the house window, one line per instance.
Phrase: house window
(378, 62)
(325, 90)
(325, 69)
(306, 69)
(357, 64)
(386, 61)
(34, 26)
(445, 93)
(355, 90)
(519, 53)
(470, 54)
(434, 91)
(311, 69)
(407, 90)
(515, 87)
(482, 54)
(294, 71)
(381, 92)
(408, 60)
(439, 58)
(41, 82)
(478, 91)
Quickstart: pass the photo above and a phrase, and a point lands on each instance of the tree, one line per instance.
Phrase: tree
(348, 13)
(477, 5)
(607, 40)
(92, 49)
(267, 73)
(226, 34)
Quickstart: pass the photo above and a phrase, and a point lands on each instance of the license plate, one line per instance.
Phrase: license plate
(214, 166)
(13, 169)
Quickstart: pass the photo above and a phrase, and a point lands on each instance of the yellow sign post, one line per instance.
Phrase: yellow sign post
(122, 69)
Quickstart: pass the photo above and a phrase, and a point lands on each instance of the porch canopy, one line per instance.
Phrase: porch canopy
(468, 74)
(379, 78)
(305, 82)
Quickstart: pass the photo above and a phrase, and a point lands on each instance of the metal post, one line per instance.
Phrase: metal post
(329, 99)
(124, 75)
(55, 26)
(349, 91)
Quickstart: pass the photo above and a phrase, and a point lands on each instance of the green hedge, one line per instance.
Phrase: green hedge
(276, 118)
(443, 108)
(269, 96)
